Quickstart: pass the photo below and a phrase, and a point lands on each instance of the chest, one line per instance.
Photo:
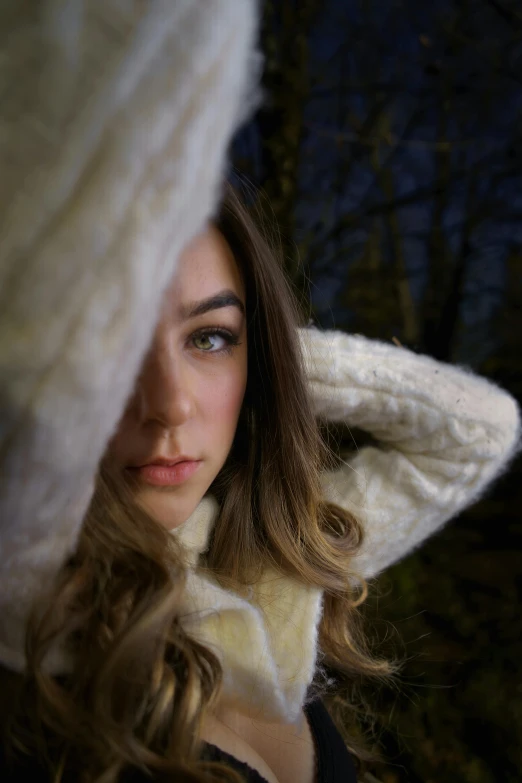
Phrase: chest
(280, 753)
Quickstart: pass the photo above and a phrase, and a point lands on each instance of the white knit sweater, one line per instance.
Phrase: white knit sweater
(106, 177)
(115, 118)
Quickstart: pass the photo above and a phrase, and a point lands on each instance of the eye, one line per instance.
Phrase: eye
(214, 340)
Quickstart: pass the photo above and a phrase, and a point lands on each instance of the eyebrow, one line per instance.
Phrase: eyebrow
(225, 298)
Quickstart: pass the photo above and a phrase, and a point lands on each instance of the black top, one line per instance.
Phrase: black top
(334, 763)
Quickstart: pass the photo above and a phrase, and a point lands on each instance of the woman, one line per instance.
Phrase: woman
(214, 589)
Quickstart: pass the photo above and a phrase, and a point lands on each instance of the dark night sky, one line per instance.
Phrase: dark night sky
(404, 48)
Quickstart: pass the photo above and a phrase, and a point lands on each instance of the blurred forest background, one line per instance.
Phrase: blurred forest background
(388, 147)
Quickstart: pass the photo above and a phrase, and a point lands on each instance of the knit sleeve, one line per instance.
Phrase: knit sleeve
(114, 123)
(444, 435)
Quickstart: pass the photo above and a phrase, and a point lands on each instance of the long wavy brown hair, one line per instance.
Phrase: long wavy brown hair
(132, 704)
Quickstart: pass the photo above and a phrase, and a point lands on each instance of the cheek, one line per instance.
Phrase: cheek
(223, 398)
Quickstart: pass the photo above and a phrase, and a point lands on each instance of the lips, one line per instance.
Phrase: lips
(166, 462)
(164, 472)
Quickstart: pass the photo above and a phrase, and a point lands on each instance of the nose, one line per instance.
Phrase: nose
(165, 395)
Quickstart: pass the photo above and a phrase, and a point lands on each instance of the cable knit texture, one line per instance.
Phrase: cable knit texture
(115, 119)
(444, 434)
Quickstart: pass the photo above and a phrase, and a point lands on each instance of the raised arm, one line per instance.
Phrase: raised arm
(114, 123)
(445, 434)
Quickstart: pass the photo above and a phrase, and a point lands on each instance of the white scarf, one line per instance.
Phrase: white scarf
(267, 644)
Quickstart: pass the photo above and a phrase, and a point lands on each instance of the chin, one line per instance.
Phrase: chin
(169, 509)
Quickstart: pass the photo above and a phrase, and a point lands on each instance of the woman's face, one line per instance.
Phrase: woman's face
(189, 393)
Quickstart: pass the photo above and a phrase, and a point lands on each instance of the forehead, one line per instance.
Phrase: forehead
(206, 266)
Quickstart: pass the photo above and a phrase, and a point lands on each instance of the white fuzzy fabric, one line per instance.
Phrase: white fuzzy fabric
(267, 643)
(115, 119)
(446, 434)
